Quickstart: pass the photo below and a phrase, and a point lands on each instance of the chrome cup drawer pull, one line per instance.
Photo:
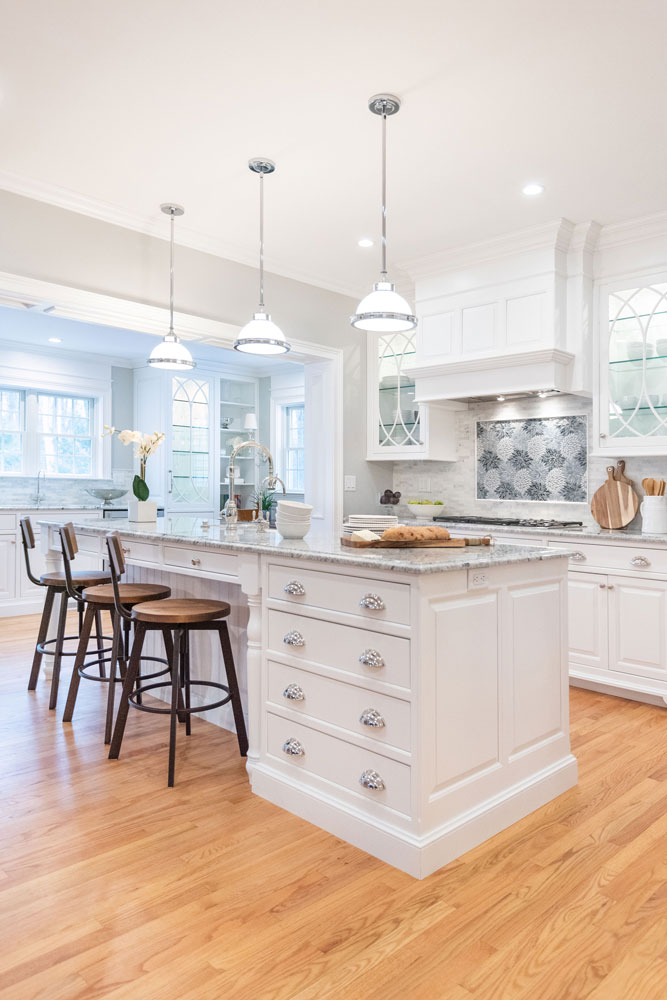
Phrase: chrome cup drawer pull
(293, 693)
(371, 717)
(371, 658)
(196, 562)
(372, 780)
(293, 748)
(578, 557)
(640, 561)
(372, 602)
(294, 588)
(294, 638)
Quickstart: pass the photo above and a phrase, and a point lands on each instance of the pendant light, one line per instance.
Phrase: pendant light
(170, 353)
(384, 310)
(261, 335)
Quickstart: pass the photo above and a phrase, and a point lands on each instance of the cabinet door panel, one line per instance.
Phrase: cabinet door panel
(638, 627)
(587, 619)
(7, 566)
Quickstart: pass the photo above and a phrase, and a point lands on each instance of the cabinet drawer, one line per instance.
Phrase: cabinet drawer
(202, 559)
(146, 552)
(340, 762)
(91, 544)
(335, 592)
(627, 558)
(7, 522)
(340, 704)
(341, 647)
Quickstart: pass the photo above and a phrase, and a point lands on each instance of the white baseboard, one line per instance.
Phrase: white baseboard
(21, 606)
(418, 855)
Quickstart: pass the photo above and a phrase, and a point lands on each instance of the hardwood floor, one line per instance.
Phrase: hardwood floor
(114, 886)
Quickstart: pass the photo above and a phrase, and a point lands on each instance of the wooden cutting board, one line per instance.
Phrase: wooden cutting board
(615, 504)
(428, 543)
(620, 473)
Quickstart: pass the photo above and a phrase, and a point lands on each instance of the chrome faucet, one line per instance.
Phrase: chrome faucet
(37, 497)
(230, 511)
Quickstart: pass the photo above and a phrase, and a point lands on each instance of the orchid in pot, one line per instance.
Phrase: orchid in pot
(141, 509)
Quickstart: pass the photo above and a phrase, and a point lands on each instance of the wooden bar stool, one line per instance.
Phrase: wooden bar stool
(183, 616)
(94, 600)
(55, 584)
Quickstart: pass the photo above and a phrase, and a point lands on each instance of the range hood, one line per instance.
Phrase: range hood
(520, 374)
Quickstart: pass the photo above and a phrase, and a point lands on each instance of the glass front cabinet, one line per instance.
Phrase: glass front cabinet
(633, 367)
(398, 427)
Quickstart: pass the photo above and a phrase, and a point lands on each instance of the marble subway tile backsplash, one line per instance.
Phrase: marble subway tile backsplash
(57, 490)
(456, 482)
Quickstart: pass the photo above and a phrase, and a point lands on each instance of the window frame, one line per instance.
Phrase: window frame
(285, 445)
(281, 400)
(100, 450)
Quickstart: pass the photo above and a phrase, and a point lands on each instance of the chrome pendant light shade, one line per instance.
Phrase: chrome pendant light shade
(384, 310)
(261, 335)
(170, 353)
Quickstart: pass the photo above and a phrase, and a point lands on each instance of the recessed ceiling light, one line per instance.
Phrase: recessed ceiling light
(55, 340)
(501, 399)
(365, 242)
(533, 189)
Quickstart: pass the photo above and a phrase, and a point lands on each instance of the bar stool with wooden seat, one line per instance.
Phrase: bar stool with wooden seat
(183, 615)
(56, 584)
(100, 598)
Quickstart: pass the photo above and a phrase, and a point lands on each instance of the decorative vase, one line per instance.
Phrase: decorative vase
(142, 510)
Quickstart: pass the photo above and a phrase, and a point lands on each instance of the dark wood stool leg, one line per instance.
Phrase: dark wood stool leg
(99, 639)
(79, 660)
(113, 666)
(41, 637)
(175, 693)
(128, 687)
(57, 659)
(186, 679)
(233, 685)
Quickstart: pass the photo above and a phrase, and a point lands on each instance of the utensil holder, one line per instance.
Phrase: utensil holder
(654, 515)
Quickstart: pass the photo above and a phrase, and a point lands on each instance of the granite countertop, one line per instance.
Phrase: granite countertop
(34, 509)
(632, 535)
(318, 546)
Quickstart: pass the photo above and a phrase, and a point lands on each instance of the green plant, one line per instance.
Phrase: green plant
(264, 499)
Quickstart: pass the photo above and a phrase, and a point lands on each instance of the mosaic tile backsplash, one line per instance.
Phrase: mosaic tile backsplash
(536, 459)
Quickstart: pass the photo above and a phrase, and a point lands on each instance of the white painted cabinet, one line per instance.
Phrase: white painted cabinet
(638, 627)
(398, 426)
(587, 618)
(7, 566)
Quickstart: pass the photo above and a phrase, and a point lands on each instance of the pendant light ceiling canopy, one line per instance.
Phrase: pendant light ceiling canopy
(261, 335)
(383, 310)
(170, 353)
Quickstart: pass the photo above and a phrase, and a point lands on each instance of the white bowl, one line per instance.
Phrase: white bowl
(293, 517)
(426, 509)
(294, 505)
(289, 530)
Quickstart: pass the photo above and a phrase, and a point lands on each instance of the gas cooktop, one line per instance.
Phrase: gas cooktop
(508, 522)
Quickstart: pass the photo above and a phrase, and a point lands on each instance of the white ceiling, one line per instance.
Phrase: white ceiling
(31, 329)
(115, 107)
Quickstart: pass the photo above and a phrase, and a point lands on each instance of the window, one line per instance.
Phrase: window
(65, 435)
(292, 457)
(190, 441)
(49, 432)
(12, 426)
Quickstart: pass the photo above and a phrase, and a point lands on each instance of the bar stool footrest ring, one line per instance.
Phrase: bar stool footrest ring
(138, 692)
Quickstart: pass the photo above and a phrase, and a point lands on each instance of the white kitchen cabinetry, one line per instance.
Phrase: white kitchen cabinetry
(587, 619)
(7, 566)
(638, 627)
(398, 426)
(632, 375)
(202, 414)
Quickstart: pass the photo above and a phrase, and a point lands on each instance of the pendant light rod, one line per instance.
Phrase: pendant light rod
(261, 166)
(383, 272)
(172, 211)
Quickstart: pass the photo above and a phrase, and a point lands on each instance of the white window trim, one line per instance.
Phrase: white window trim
(280, 398)
(98, 392)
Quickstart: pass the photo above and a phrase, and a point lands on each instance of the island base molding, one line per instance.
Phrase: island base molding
(418, 856)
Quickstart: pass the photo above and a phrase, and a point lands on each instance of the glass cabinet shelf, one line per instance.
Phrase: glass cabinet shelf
(635, 364)
(395, 388)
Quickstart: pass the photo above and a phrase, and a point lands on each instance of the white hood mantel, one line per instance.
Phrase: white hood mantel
(510, 316)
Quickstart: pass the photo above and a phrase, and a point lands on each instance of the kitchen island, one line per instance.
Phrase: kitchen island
(412, 702)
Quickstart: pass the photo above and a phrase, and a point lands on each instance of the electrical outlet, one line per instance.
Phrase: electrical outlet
(350, 483)
(423, 484)
(478, 578)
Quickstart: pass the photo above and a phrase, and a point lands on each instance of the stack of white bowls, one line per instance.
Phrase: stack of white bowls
(293, 518)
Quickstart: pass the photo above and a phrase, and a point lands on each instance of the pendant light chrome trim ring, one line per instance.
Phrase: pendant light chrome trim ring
(172, 361)
(354, 319)
(263, 340)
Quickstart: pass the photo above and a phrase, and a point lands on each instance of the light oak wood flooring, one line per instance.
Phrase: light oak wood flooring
(113, 886)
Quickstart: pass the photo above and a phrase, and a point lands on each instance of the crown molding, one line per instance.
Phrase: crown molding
(151, 225)
(520, 358)
(554, 235)
(646, 227)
